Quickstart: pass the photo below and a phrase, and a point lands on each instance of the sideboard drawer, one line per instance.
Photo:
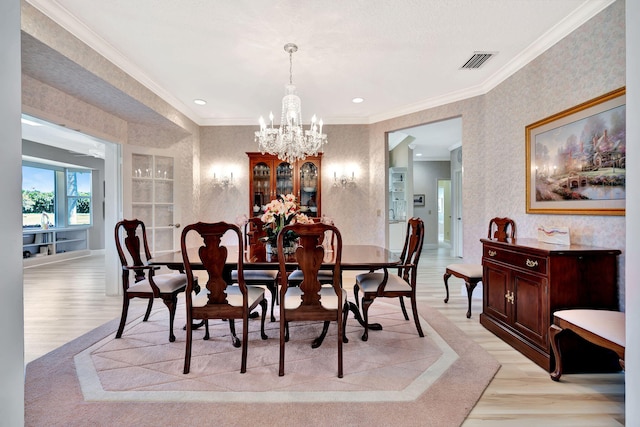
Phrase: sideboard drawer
(521, 260)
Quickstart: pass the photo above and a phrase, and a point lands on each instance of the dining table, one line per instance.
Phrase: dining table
(256, 257)
(354, 257)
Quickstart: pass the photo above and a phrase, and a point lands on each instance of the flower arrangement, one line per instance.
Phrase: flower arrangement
(283, 210)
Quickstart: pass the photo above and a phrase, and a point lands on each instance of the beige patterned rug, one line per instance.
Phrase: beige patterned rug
(395, 378)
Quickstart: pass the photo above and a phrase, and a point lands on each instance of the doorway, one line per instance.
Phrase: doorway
(432, 160)
(107, 202)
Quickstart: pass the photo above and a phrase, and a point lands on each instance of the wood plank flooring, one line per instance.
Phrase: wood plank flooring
(64, 300)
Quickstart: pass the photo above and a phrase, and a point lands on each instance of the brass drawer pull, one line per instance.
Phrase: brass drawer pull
(492, 253)
(531, 263)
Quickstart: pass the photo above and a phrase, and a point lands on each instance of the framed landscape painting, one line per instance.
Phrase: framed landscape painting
(576, 159)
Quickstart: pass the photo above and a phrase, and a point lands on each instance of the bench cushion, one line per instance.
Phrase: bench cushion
(610, 325)
(467, 270)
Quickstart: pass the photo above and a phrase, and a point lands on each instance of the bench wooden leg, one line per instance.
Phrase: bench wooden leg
(554, 338)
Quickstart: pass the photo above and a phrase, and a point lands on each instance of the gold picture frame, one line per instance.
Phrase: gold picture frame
(576, 159)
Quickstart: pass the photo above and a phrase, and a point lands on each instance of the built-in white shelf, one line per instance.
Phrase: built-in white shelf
(53, 244)
(397, 194)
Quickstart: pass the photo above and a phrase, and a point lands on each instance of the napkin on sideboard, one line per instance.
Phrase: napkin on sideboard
(554, 235)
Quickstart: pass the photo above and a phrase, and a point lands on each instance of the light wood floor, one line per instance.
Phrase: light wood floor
(64, 300)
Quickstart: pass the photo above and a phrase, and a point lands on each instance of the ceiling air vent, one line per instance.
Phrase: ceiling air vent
(477, 60)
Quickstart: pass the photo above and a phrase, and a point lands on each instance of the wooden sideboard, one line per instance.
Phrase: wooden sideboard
(525, 281)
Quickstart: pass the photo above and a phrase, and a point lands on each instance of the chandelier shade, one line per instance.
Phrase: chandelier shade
(290, 142)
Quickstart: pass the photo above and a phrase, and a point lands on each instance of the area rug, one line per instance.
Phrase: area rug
(395, 378)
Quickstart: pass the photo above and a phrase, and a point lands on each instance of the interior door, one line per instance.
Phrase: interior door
(149, 195)
(457, 214)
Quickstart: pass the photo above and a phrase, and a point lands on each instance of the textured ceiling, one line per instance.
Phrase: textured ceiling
(400, 56)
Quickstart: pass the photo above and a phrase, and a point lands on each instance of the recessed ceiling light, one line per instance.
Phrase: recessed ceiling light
(418, 154)
(357, 100)
(200, 101)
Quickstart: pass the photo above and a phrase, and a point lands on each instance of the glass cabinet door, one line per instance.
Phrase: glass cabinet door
(153, 198)
(261, 187)
(284, 178)
(309, 188)
(270, 177)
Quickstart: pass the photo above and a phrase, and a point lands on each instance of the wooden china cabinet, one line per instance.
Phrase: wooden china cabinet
(269, 176)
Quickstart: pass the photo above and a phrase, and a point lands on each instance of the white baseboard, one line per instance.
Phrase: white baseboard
(48, 259)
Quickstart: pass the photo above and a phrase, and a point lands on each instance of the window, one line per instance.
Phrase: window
(38, 196)
(57, 196)
(78, 197)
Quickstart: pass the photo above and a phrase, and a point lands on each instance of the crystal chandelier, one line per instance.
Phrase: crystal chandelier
(290, 142)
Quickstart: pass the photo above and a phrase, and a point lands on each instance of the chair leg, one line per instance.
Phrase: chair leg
(345, 315)
(148, 312)
(365, 317)
(471, 285)
(356, 288)
(206, 329)
(171, 303)
(318, 341)
(245, 341)
(340, 337)
(414, 310)
(286, 331)
(404, 310)
(187, 350)
(282, 341)
(263, 304)
(446, 285)
(234, 338)
(273, 288)
(123, 317)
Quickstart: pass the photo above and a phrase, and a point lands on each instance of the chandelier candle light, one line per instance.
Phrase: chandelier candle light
(290, 142)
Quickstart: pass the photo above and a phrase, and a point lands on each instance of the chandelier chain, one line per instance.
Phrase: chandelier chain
(290, 67)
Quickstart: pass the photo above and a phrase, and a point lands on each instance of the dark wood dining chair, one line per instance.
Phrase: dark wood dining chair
(310, 301)
(328, 241)
(219, 299)
(400, 285)
(253, 231)
(134, 253)
(500, 229)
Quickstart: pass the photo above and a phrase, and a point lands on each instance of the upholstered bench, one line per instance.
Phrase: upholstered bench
(604, 328)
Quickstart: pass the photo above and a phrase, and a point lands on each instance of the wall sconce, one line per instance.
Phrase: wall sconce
(225, 181)
(344, 181)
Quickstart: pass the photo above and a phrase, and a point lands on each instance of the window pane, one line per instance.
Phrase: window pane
(79, 212)
(78, 197)
(38, 196)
